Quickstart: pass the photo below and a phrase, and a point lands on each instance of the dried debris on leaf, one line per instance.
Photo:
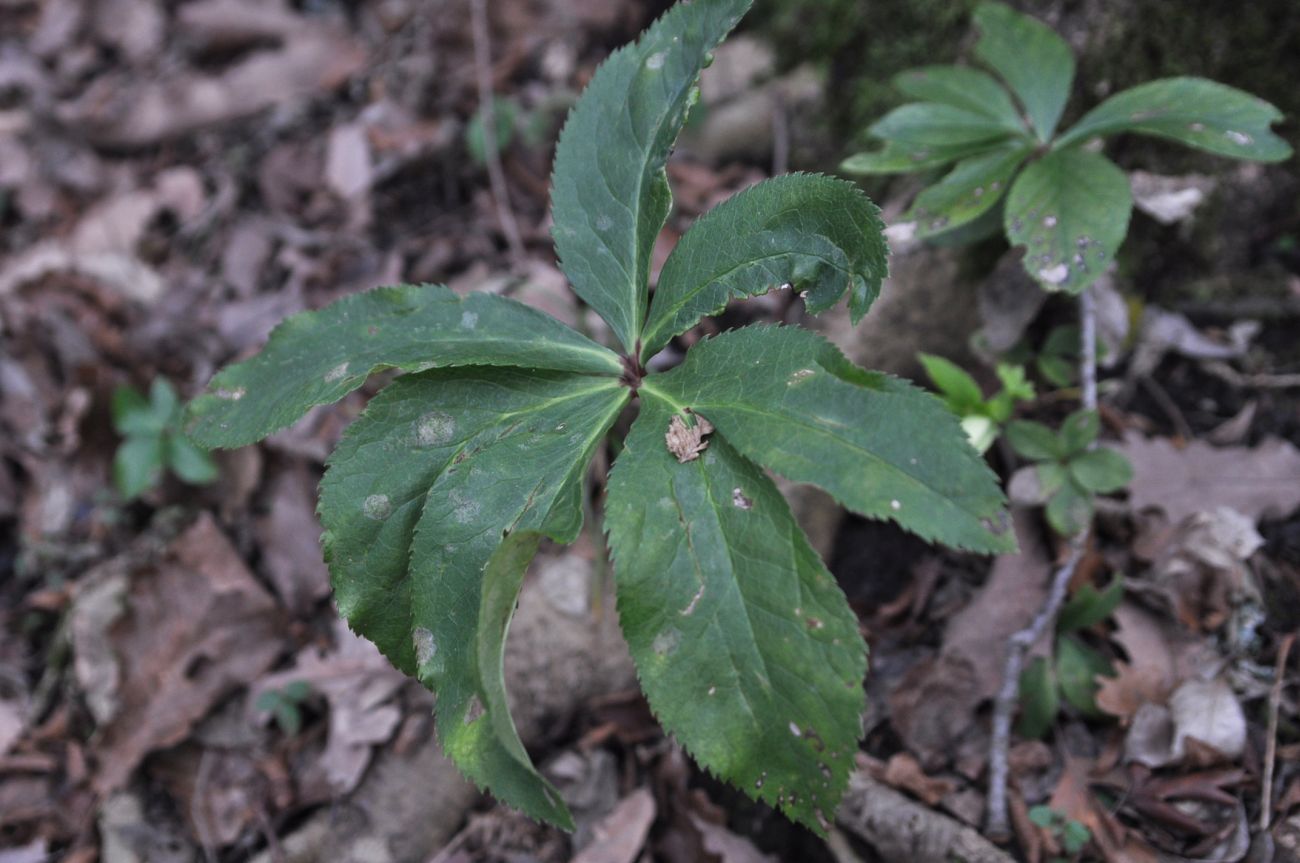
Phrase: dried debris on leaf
(687, 442)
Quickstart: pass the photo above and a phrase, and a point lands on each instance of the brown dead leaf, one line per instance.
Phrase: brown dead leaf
(122, 113)
(621, 834)
(1254, 482)
(904, 773)
(1202, 569)
(289, 536)
(192, 626)
(1149, 674)
(1074, 799)
(359, 684)
(103, 245)
(935, 703)
(727, 847)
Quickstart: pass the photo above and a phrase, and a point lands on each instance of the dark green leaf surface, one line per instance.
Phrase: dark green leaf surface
(1077, 668)
(316, 358)
(789, 400)
(1102, 471)
(1089, 606)
(806, 231)
(1192, 111)
(188, 462)
(137, 464)
(1070, 210)
(432, 505)
(961, 393)
(969, 191)
(963, 87)
(1080, 430)
(1070, 510)
(744, 643)
(934, 124)
(1040, 699)
(899, 158)
(1032, 58)
(610, 195)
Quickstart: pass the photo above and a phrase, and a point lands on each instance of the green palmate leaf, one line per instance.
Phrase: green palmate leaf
(1040, 699)
(505, 114)
(1102, 471)
(317, 358)
(1035, 441)
(1080, 430)
(1193, 111)
(1070, 210)
(610, 195)
(1077, 668)
(1029, 56)
(962, 87)
(789, 400)
(131, 414)
(432, 505)
(138, 464)
(744, 644)
(1070, 510)
(934, 124)
(899, 158)
(189, 462)
(972, 189)
(806, 232)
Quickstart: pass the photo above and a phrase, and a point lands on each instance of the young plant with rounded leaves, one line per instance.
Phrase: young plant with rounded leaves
(438, 495)
(1066, 204)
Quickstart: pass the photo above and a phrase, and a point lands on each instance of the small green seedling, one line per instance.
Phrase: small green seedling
(1066, 204)
(1071, 673)
(285, 705)
(152, 441)
(506, 114)
(512, 122)
(981, 418)
(439, 494)
(1070, 471)
(1073, 836)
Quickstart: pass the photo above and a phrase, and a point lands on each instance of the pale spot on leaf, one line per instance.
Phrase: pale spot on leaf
(739, 500)
(468, 320)
(475, 710)
(695, 601)
(337, 373)
(1055, 275)
(435, 429)
(425, 647)
(377, 507)
(666, 642)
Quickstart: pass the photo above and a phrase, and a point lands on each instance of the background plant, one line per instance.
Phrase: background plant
(1067, 205)
(1069, 469)
(440, 493)
(982, 418)
(152, 441)
(1071, 672)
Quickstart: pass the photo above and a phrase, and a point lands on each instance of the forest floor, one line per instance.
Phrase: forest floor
(177, 177)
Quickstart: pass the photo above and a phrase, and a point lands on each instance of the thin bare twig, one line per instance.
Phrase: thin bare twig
(1228, 374)
(487, 111)
(1270, 752)
(996, 823)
